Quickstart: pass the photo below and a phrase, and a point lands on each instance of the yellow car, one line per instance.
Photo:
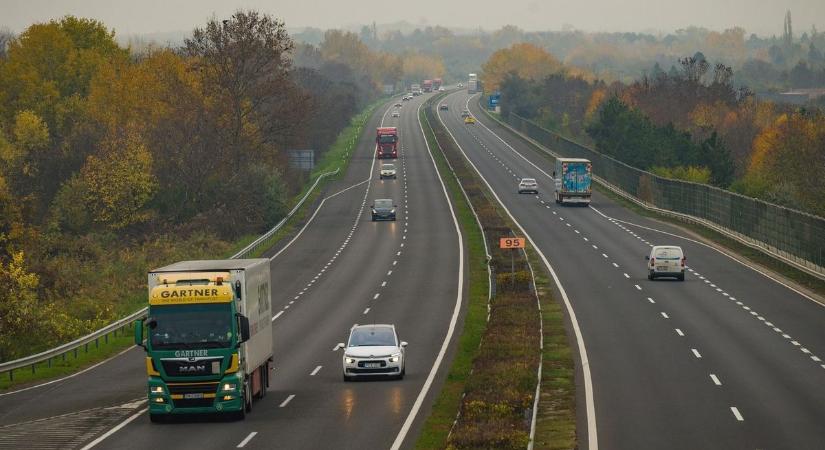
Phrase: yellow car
(469, 119)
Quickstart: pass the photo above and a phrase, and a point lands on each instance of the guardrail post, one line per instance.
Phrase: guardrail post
(75, 353)
(97, 343)
(50, 363)
(33, 367)
(11, 375)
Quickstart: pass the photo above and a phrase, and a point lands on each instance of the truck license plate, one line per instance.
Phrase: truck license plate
(193, 395)
(372, 365)
(661, 268)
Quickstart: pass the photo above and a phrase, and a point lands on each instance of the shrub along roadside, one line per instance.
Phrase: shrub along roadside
(337, 157)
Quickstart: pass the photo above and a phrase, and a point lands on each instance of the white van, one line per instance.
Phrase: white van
(666, 261)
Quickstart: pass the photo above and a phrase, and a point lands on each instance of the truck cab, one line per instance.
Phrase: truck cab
(386, 142)
(208, 337)
(572, 181)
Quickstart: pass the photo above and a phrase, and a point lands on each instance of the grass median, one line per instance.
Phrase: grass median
(496, 403)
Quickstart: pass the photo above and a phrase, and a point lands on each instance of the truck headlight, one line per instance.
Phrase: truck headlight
(349, 360)
(156, 389)
(395, 358)
(229, 386)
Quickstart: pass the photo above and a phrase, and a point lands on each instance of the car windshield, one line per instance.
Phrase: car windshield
(388, 167)
(383, 203)
(528, 180)
(191, 326)
(668, 253)
(372, 336)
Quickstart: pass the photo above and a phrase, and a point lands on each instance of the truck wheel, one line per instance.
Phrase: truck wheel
(247, 396)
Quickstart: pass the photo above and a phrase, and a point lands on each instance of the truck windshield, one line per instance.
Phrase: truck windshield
(386, 139)
(191, 326)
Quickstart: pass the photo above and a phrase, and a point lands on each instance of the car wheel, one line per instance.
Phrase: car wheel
(682, 277)
(373, 218)
(347, 378)
(403, 372)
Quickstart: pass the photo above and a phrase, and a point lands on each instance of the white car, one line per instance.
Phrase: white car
(373, 351)
(666, 261)
(441, 89)
(388, 171)
(396, 113)
(528, 185)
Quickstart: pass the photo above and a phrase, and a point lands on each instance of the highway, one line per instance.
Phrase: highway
(727, 359)
(340, 269)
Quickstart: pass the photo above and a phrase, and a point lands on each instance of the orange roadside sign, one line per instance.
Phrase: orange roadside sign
(511, 242)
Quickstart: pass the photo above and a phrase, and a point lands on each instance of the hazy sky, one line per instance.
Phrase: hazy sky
(149, 16)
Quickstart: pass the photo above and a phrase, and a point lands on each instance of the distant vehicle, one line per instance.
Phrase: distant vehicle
(437, 84)
(441, 89)
(415, 89)
(427, 85)
(406, 97)
(416, 93)
(666, 261)
(443, 107)
(383, 209)
(465, 113)
(460, 85)
(208, 337)
(398, 105)
(472, 84)
(528, 185)
(572, 181)
(373, 351)
(387, 171)
(386, 142)
(396, 113)
(470, 120)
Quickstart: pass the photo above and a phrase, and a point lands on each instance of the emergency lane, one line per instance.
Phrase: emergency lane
(667, 358)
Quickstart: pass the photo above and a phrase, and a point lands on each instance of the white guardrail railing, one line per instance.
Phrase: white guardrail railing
(63, 350)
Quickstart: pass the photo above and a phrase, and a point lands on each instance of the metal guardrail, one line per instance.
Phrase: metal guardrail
(795, 237)
(49, 355)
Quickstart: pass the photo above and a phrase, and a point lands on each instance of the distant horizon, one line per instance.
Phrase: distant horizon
(151, 17)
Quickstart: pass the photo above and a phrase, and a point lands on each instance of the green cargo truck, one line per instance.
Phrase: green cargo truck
(208, 337)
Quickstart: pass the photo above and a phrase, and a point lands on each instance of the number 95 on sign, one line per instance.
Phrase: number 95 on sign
(511, 242)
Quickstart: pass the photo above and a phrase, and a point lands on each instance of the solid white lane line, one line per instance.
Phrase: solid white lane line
(419, 400)
(679, 332)
(277, 315)
(312, 374)
(715, 380)
(286, 402)
(247, 439)
(737, 414)
(115, 429)
(696, 353)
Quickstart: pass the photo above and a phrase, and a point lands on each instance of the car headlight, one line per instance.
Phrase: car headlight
(229, 386)
(156, 389)
(395, 358)
(392, 212)
(349, 360)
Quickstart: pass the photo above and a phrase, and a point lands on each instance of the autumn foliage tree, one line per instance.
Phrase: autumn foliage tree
(525, 60)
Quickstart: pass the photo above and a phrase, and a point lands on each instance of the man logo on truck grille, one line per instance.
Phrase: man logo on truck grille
(192, 368)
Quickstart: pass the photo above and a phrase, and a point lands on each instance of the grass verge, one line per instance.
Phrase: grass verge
(338, 156)
(440, 421)
(498, 395)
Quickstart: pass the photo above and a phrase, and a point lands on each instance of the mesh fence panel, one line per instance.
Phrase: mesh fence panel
(792, 234)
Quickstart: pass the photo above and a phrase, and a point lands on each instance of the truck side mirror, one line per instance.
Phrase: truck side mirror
(243, 327)
(139, 333)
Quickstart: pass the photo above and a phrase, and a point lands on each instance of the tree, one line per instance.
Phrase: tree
(18, 305)
(527, 60)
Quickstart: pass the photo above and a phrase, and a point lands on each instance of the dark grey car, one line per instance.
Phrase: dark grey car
(383, 209)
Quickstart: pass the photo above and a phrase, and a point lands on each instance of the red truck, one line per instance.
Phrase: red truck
(437, 84)
(427, 85)
(386, 142)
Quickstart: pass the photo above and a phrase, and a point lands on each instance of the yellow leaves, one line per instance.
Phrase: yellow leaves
(119, 182)
(527, 60)
(419, 67)
(596, 100)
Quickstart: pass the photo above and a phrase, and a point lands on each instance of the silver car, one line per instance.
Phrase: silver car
(373, 351)
(528, 185)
